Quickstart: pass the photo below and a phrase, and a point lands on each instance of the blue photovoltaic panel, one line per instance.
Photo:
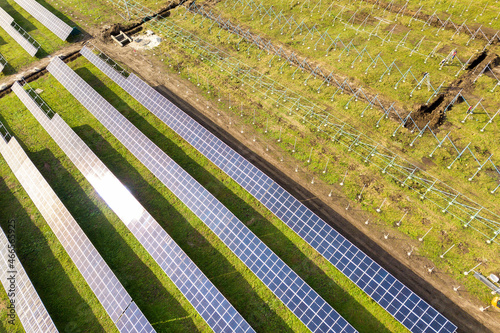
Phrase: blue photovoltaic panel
(299, 297)
(408, 308)
(46, 17)
(17, 33)
(195, 286)
(108, 290)
(28, 305)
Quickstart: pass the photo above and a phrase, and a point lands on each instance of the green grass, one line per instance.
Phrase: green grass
(157, 297)
(482, 12)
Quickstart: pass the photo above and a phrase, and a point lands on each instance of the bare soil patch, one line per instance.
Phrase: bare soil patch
(435, 288)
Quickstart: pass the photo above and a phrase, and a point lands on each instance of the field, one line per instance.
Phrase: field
(418, 178)
(155, 294)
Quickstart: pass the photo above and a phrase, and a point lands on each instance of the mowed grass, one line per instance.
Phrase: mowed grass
(15, 55)
(67, 297)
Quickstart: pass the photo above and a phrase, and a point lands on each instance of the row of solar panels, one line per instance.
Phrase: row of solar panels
(407, 307)
(40, 13)
(304, 302)
(110, 292)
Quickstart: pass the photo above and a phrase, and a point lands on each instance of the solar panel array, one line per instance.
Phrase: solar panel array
(28, 305)
(5, 17)
(407, 307)
(109, 291)
(3, 62)
(46, 17)
(17, 33)
(299, 297)
(196, 287)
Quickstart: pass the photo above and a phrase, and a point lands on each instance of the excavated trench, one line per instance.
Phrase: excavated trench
(35, 75)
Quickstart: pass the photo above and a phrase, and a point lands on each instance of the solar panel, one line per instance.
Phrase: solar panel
(108, 290)
(407, 307)
(3, 62)
(298, 296)
(18, 34)
(27, 304)
(195, 286)
(46, 17)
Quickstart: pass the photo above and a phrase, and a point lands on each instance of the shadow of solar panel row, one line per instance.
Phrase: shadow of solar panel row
(299, 297)
(17, 33)
(46, 17)
(27, 304)
(408, 308)
(3, 62)
(213, 307)
(108, 290)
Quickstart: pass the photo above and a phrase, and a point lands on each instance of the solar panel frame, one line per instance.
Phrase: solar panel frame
(16, 32)
(133, 321)
(187, 277)
(107, 288)
(46, 17)
(315, 231)
(28, 305)
(311, 309)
